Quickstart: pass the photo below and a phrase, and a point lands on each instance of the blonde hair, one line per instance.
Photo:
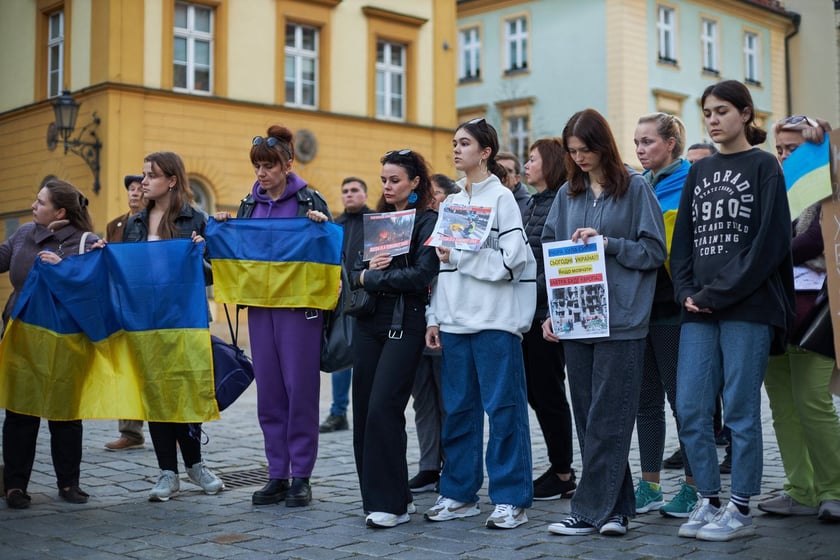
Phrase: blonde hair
(667, 127)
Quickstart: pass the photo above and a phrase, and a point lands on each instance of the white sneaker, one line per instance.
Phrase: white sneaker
(411, 508)
(506, 516)
(727, 525)
(200, 475)
(702, 513)
(616, 525)
(446, 509)
(385, 520)
(167, 486)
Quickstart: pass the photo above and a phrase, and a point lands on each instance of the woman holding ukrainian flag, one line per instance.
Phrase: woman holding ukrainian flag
(660, 139)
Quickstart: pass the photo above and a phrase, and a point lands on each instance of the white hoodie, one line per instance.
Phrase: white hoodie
(494, 288)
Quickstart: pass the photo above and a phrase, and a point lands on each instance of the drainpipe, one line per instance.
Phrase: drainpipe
(797, 19)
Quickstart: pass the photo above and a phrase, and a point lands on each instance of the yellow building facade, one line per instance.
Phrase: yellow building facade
(351, 78)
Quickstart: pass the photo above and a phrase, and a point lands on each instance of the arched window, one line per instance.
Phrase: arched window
(202, 197)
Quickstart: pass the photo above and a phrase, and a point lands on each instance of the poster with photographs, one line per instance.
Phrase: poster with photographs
(576, 280)
(462, 227)
(387, 232)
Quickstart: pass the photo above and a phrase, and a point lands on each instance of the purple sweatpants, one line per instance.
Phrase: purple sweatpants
(286, 348)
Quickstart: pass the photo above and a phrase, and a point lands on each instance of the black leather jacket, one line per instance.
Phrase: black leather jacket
(308, 199)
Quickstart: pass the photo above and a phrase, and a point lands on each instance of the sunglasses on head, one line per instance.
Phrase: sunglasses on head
(271, 141)
(403, 152)
(797, 119)
(476, 121)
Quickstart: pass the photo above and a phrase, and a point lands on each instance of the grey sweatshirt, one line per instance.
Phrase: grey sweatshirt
(635, 234)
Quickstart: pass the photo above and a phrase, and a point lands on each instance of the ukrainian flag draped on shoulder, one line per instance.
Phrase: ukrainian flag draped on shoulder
(807, 175)
(120, 332)
(275, 262)
(668, 191)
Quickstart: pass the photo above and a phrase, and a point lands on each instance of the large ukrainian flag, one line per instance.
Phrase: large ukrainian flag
(120, 332)
(275, 262)
(807, 175)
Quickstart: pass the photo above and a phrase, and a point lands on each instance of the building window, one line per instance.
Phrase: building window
(201, 197)
(55, 54)
(301, 65)
(469, 68)
(709, 41)
(390, 80)
(516, 44)
(752, 74)
(519, 135)
(193, 48)
(666, 26)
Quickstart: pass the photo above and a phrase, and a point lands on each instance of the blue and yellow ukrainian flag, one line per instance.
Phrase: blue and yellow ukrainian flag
(807, 175)
(275, 262)
(120, 332)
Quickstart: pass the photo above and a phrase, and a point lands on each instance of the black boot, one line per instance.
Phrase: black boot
(272, 493)
(300, 493)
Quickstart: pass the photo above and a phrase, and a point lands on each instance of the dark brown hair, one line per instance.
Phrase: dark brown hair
(415, 166)
(66, 196)
(282, 152)
(739, 95)
(170, 164)
(553, 167)
(486, 137)
(591, 128)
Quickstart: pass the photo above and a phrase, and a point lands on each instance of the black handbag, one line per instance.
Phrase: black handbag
(359, 303)
(337, 342)
(815, 333)
(233, 371)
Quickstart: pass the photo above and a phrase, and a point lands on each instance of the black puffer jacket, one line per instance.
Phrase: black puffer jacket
(533, 218)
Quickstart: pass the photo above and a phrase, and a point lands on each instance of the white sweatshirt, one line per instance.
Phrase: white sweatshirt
(494, 288)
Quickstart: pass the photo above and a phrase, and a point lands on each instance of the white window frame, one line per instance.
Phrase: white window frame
(752, 58)
(666, 26)
(469, 63)
(519, 136)
(386, 70)
(709, 42)
(55, 43)
(516, 44)
(192, 35)
(301, 55)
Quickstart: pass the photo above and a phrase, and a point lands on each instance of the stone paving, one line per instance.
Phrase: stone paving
(119, 522)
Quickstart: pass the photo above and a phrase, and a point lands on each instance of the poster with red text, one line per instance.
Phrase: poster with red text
(387, 232)
(576, 280)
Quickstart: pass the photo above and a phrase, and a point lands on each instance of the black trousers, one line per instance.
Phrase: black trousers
(545, 376)
(165, 435)
(383, 374)
(20, 436)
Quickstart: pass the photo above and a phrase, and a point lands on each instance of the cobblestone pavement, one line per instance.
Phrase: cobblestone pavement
(119, 522)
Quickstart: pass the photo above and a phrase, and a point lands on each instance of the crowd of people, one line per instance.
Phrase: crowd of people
(699, 256)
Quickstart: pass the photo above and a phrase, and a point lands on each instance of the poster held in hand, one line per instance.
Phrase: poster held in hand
(387, 232)
(462, 227)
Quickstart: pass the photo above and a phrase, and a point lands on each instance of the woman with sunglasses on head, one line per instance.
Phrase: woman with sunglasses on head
(388, 343)
(732, 274)
(285, 342)
(804, 417)
(481, 304)
(604, 197)
(659, 140)
(170, 214)
(59, 220)
(545, 367)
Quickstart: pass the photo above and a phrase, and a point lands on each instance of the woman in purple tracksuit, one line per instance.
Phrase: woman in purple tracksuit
(285, 342)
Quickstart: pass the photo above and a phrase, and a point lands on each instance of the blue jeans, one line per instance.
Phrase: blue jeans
(731, 355)
(604, 381)
(484, 372)
(341, 391)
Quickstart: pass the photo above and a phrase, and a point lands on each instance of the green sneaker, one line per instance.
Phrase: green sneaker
(683, 502)
(648, 499)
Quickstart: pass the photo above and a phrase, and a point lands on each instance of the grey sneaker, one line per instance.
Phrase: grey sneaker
(727, 525)
(200, 475)
(506, 516)
(446, 509)
(830, 510)
(702, 514)
(167, 486)
(785, 505)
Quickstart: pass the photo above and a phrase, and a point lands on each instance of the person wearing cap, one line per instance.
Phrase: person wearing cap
(131, 431)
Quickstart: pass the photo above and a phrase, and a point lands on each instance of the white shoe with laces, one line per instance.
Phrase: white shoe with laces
(446, 509)
(506, 516)
(167, 486)
(728, 524)
(385, 520)
(702, 513)
(200, 475)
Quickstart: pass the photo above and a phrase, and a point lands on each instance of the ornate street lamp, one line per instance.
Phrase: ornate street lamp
(66, 111)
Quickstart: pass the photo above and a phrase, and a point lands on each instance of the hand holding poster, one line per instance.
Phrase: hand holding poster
(462, 227)
(388, 232)
(576, 280)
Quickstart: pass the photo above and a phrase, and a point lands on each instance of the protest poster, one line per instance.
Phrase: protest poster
(462, 227)
(830, 224)
(576, 281)
(387, 232)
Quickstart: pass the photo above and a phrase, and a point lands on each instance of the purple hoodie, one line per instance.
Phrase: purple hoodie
(284, 207)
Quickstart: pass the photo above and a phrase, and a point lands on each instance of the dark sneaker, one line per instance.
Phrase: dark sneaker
(334, 423)
(675, 461)
(552, 488)
(424, 481)
(615, 526)
(572, 526)
(299, 494)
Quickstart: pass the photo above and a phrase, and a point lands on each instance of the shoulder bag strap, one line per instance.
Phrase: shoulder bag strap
(82, 242)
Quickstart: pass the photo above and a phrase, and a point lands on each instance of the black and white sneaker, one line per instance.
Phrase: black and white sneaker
(424, 481)
(615, 526)
(550, 487)
(572, 526)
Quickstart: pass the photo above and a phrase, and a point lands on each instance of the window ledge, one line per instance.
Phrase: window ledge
(515, 71)
(667, 61)
(711, 72)
(751, 82)
(469, 79)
